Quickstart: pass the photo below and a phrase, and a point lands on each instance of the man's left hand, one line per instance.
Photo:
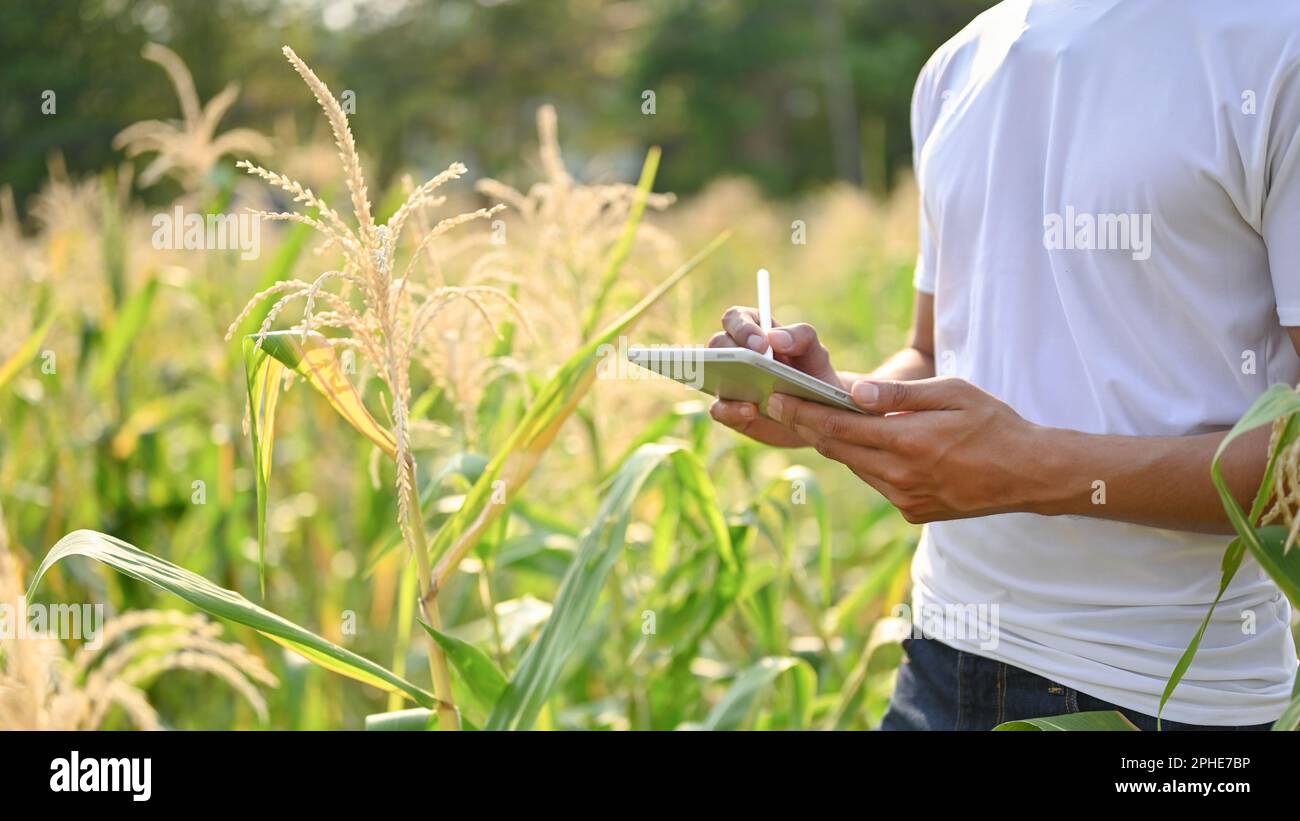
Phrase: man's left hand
(940, 449)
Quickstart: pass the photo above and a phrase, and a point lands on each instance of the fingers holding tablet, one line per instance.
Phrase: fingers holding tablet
(796, 345)
(741, 325)
(743, 417)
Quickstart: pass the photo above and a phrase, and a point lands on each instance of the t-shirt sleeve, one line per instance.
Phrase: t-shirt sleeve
(1281, 213)
(923, 103)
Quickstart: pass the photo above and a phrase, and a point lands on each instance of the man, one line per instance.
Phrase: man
(1109, 275)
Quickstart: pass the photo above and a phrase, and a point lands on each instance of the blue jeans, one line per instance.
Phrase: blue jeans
(940, 688)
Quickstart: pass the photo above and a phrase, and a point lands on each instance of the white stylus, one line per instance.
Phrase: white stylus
(765, 307)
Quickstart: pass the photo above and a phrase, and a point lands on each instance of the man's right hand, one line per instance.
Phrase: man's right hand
(795, 345)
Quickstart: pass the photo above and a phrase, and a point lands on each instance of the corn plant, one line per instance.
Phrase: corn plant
(386, 317)
(189, 149)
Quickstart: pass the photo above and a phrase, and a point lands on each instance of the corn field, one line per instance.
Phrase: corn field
(373, 476)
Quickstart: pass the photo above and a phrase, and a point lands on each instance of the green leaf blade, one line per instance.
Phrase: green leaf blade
(25, 352)
(480, 674)
(313, 358)
(1100, 720)
(125, 328)
(264, 374)
(416, 719)
(225, 604)
(540, 668)
(731, 710)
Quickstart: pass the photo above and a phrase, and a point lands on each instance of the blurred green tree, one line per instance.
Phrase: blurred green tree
(793, 94)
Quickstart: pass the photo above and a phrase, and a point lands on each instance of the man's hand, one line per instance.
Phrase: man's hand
(795, 345)
(946, 449)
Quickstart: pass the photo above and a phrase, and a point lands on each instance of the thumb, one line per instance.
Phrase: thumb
(888, 396)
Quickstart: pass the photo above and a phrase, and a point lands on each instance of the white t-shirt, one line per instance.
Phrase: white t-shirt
(1171, 129)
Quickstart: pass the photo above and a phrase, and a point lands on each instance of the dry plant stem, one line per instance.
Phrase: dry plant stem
(413, 532)
(448, 719)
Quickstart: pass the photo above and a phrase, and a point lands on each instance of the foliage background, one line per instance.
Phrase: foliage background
(791, 94)
(769, 113)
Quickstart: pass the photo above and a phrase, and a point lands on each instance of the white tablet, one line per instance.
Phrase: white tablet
(739, 374)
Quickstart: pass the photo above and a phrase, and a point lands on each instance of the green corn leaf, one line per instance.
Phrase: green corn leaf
(812, 492)
(1290, 718)
(1231, 561)
(623, 246)
(225, 604)
(125, 328)
(481, 676)
(540, 668)
(883, 571)
(314, 359)
(723, 542)
(699, 490)
(1267, 544)
(415, 719)
(1278, 401)
(25, 352)
(730, 711)
(544, 660)
(1282, 564)
(264, 374)
(664, 543)
(395, 721)
(1106, 720)
(407, 587)
(884, 652)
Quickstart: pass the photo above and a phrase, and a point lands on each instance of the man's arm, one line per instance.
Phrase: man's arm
(1157, 481)
(949, 450)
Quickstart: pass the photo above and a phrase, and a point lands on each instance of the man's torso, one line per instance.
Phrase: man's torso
(1096, 181)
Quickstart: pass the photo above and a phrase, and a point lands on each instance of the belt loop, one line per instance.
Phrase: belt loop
(961, 658)
(1002, 693)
